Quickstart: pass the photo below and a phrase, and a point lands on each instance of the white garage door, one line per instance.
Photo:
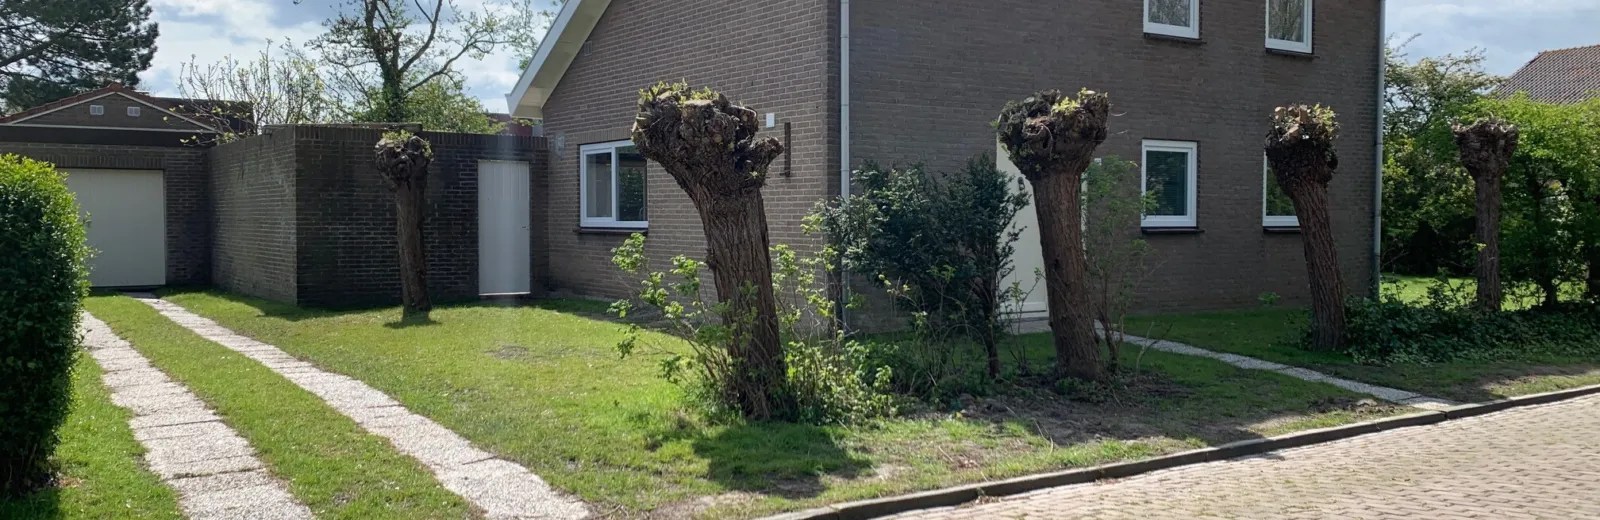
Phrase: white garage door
(126, 215)
(1028, 258)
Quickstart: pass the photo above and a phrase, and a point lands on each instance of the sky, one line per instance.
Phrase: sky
(1510, 32)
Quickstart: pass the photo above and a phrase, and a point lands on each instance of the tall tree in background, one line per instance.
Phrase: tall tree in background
(50, 49)
(529, 21)
(396, 48)
(283, 89)
(1300, 150)
(709, 146)
(1427, 196)
(1052, 138)
(440, 105)
(1486, 149)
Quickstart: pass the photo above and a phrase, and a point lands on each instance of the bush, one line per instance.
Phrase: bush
(1448, 328)
(830, 378)
(44, 273)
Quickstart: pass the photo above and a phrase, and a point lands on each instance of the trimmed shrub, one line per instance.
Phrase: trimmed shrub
(45, 282)
(1447, 327)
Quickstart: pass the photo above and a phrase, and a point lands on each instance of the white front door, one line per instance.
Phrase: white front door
(125, 214)
(1028, 258)
(504, 228)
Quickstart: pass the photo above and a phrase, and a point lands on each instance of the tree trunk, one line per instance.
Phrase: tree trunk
(1322, 262)
(1490, 294)
(1591, 254)
(1486, 148)
(1066, 272)
(410, 202)
(738, 254)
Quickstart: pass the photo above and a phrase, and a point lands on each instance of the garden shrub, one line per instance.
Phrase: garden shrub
(1447, 327)
(43, 266)
(830, 379)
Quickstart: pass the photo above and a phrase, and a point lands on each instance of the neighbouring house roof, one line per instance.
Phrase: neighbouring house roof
(1559, 76)
(556, 51)
(115, 89)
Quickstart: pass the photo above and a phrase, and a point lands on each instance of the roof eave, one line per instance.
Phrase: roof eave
(560, 46)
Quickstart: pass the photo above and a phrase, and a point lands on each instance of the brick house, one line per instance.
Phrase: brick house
(840, 82)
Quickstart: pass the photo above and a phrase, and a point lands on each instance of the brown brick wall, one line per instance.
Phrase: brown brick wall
(253, 185)
(116, 115)
(346, 252)
(927, 80)
(772, 55)
(185, 179)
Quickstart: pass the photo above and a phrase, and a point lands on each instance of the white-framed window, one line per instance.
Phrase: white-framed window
(133, 111)
(1179, 18)
(1168, 173)
(1289, 25)
(97, 110)
(1277, 210)
(613, 186)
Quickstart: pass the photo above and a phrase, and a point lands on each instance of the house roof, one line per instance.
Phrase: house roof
(113, 89)
(556, 51)
(1559, 76)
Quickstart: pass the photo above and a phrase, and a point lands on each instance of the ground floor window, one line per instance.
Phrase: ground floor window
(1277, 209)
(613, 185)
(1168, 175)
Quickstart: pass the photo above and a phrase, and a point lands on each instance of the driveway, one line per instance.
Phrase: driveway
(1534, 462)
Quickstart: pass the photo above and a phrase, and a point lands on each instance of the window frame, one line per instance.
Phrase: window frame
(1191, 32)
(611, 222)
(1190, 219)
(1306, 18)
(97, 110)
(134, 112)
(1268, 220)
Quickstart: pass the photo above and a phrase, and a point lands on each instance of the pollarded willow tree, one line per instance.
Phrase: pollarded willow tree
(1051, 137)
(709, 146)
(1300, 150)
(403, 158)
(1486, 149)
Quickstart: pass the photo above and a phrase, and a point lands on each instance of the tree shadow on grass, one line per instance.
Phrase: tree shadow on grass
(412, 321)
(780, 459)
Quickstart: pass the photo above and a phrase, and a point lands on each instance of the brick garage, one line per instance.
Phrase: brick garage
(184, 178)
(302, 216)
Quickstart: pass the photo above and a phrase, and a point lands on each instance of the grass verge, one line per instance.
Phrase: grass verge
(102, 472)
(1267, 334)
(547, 389)
(330, 463)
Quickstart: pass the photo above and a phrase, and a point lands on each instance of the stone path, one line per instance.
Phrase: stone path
(213, 469)
(1524, 463)
(503, 489)
(1393, 395)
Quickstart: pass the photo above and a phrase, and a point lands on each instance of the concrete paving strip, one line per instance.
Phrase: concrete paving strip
(213, 469)
(1393, 395)
(502, 489)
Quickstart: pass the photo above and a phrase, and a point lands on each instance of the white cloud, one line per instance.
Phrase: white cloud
(1510, 32)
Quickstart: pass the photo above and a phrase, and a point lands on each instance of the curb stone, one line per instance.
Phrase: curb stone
(955, 496)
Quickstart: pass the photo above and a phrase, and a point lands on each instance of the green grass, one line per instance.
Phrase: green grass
(548, 390)
(330, 464)
(1415, 289)
(101, 472)
(1269, 334)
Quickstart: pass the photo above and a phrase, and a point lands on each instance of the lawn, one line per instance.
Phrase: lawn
(1269, 333)
(544, 386)
(329, 462)
(101, 471)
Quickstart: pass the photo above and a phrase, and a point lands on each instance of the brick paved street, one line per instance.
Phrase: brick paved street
(1536, 462)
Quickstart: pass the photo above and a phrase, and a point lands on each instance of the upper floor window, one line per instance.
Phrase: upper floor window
(1277, 209)
(1168, 176)
(1289, 25)
(133, 111)
(97, 110)
(1179, 18)
(613, 186)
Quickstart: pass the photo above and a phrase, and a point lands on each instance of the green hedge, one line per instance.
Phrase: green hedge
(45, 281)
